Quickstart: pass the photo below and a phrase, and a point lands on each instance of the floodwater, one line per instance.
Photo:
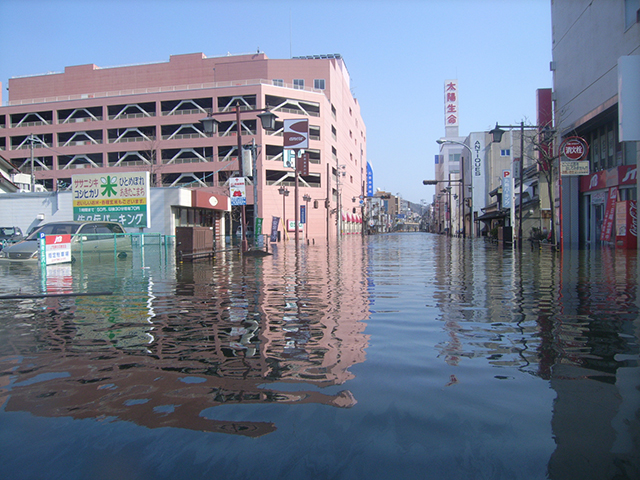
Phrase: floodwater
(391, 356)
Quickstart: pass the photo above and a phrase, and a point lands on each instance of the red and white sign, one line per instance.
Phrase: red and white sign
(627, 224)
(237, 191)
(302, 164)
(609, 215)
(574, 148)
(451, 103)
(296, 133)
(57, 248)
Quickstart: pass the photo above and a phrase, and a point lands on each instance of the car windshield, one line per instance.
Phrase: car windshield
(54, 229)
(7, 231)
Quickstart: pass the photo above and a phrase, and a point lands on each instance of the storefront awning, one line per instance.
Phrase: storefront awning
(491, 216)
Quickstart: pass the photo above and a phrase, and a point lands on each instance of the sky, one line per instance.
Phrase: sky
(398, 53)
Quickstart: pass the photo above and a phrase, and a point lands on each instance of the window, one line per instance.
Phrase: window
(318, 84)
(278, 82)
(454, 157)
(631, 8)
(505, 153)
(298, 83)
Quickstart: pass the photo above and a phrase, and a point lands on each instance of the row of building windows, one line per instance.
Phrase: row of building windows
(298, 83)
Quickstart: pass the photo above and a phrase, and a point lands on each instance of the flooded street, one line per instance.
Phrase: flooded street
(390, 356)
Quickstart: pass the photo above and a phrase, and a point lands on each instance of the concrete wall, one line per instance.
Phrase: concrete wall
(588, 38)
(24, 209)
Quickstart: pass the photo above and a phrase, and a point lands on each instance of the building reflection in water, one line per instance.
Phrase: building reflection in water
(596, 414)
(572, 320)
(169, 345)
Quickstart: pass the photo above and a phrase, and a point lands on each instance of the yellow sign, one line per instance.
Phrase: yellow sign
(570, 167)
(117, 197)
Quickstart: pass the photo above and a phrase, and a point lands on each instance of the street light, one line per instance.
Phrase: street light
(441, 141)
(210, 127)
(496, 134)
(445, 190)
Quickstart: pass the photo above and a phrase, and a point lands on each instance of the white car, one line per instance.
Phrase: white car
(88, 239)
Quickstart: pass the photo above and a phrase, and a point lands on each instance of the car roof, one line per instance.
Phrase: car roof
(79, 222)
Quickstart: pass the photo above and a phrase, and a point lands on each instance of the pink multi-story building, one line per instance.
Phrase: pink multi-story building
(147, 118)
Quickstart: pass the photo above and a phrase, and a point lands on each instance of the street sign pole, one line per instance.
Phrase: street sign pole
(296, 137)
(296, 195)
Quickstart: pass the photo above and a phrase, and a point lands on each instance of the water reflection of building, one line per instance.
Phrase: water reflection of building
(595, 371)
(228, 332)
(572, 320)
(481, 295)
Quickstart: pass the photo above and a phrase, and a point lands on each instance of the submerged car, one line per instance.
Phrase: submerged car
(87, 239)
(9, 235)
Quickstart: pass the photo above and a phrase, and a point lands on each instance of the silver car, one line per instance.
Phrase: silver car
(87, 239)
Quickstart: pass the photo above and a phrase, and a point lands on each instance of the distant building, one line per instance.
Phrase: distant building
(90, 119)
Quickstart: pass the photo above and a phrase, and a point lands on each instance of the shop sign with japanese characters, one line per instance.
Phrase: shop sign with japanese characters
(568, 167)
(114, 197)
(451, 103)
(57, 248)
(238, 191)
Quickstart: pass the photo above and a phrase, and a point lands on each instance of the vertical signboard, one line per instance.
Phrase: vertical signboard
(629, 98)
(609, 215)
(451, 103)
(369, 180)
(116, 197)
(507, 189)
(274, 228)
(478, 177)
(302, 164)
(237, 191)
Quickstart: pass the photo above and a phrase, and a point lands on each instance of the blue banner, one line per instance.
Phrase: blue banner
(369, 180)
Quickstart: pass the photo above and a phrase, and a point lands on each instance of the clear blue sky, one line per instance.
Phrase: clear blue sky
(398, 53)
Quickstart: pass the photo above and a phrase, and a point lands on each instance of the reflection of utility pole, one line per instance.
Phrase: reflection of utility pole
(307, 199)
(340, 173)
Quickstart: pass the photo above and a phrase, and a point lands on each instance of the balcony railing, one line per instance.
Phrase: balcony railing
(174, 88)
(132, 115)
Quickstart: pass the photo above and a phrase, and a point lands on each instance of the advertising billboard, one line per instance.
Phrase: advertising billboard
(116, 197)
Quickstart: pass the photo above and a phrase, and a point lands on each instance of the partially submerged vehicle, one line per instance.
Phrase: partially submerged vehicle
(90, 239)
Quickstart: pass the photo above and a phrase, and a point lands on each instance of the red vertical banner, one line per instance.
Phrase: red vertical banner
(627, 224)
(302, 164)
(609, 215)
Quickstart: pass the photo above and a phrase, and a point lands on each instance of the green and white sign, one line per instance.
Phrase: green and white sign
(114, 197)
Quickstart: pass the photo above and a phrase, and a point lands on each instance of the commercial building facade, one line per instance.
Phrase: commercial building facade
(588, 74)
(147, 118)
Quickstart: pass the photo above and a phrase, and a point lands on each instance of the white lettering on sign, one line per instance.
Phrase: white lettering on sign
(631, 175)
(574, 148)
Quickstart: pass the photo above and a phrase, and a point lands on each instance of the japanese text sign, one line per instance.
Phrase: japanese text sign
(114, 197)
(451, 103)
(237, 190)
